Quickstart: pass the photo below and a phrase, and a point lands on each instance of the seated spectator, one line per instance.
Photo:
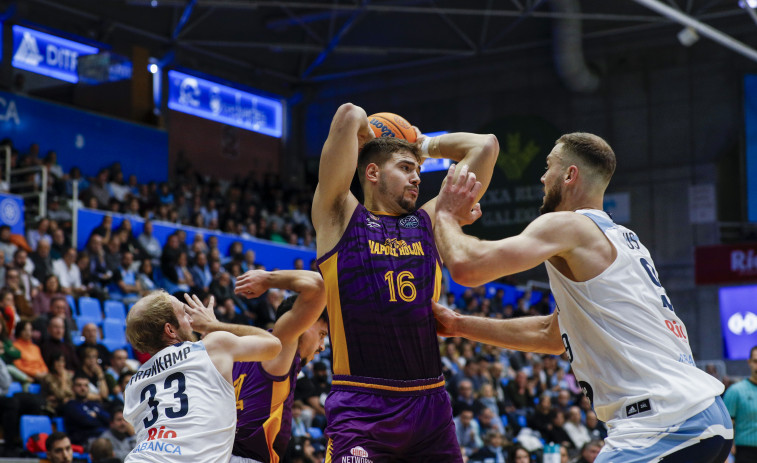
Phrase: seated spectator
(99, 189)
(91, 369)
(101, 451)
(541, 419)
(488, 421)
(69, 274)
(34, 235)
(519, 394)
(31, 361)
(22, 286)
(50, 290)
(249, 261)
(169, 257)
(114, 371)
(128, 241)
(84, 418)
(589, 451)
(465, 397)
(597, 429)
(118, 188)
(6, 245)
(556, 433)
(201, 272)
(43, 262)
(9, 313)
(487, 399)
(58, 308)
(576, 430)
(222, 288)
(59, 448)
(492, 451)
(149, 243)
(120, 434)
(299, 424)
(226, 312)
(467, 431)
(126, 286)
(519, 455)
(57, 384)
(56, 330)
(146, 277)
(99, 276)
(10, 354)
(91, 335)
(113, 254)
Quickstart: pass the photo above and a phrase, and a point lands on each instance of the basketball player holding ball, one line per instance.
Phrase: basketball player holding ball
(381, 271)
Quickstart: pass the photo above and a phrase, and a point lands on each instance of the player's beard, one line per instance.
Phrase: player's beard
(407, 205)
(552, 199)
(187, 335)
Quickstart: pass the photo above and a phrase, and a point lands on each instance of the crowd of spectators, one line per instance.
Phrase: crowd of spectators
(506, 404)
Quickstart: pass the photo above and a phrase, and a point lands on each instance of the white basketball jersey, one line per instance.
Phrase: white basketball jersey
(628, 348)
(181, 407)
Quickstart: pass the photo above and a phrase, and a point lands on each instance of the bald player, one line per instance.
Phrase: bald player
(181, 402)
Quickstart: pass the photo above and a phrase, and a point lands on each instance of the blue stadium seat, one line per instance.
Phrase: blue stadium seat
(58, 424)
(536, 296)
(115, 309)
(35, 388)
(35, 424)
(315, 433)
(90, 307)
(114, 334)
(13, 388)
(72, 304)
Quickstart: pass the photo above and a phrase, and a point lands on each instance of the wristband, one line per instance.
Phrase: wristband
(424, 146)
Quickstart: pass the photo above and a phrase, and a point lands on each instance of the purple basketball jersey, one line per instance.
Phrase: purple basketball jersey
(264, 411)
(380, 279)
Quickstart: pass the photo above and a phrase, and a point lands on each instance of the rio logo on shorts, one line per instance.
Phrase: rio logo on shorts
(160, 433)
(153, 445)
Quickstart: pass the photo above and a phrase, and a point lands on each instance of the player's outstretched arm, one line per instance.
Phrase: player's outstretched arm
(472, 261)
(349, 132)
(478, 152)
(225, 348)
(528, 334)
(309, 305)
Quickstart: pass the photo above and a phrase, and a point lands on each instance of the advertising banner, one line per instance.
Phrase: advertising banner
(220, 103)
(47, 54)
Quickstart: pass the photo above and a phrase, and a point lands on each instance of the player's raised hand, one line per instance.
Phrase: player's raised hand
(458, 196)
(252, 284)
(202, 317)
(446, 320)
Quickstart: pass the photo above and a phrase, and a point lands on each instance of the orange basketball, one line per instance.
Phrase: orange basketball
(391, 125)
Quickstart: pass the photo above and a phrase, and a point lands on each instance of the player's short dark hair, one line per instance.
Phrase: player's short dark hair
(380, 150)
(287, 304)
(55, 437)
(751, 352)
(591, 149)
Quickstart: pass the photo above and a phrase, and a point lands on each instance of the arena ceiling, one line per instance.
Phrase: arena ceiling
(297, 43)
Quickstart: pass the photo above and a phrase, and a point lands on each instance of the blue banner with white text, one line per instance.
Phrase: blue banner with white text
(220, 103)
(47, 54)
(84, 139)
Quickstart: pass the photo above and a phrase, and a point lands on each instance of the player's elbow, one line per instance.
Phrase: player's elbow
(270, 348)
(348, 113)
(491, 146)
(462, 270)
